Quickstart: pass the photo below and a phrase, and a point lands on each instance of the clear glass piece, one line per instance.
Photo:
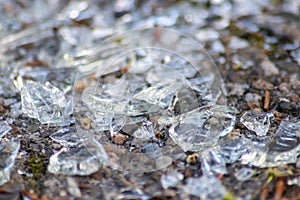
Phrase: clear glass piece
(4, 128)
(257, 122)
(8, 153)
(83, 159)
(203, 127)
(46, 103)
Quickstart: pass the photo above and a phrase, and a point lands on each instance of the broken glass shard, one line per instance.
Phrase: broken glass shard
(203, 127)
(84, 159)
(67, 137)
(4, 128)
(212, 162)
(205, 187)
(171, 179)
(232, 149)
(8, 153)
(146, 131)
(257, 122)
(244, 174)
(283, 148)
(151, 150)
(46, 103)
(161, 93)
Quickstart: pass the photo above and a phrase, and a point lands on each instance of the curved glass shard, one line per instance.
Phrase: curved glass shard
(202, 127)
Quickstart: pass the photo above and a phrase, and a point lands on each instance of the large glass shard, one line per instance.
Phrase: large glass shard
(202, 127)
(283, 149)
(62, 78)
(84, 159)
(205, 187)
(4, 128)
(171, 179)
(67, 137)
(161, 93)
(8, 153)
(46, 103)
(257, 122)
(118, 102)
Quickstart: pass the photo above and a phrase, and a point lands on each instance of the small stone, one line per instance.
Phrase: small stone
(253, 99)
(288, 107)
(237, 43)
(269, 68)
(192, 159)
(2, 101)
(262, 85)
(73, 188)
(2, 109)
(85, 123)
(119, 139)
(218, 47)
(295, 98)
(284, 87)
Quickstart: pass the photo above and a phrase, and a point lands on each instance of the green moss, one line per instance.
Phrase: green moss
(228, 196)
(257, 40)
(36, 164)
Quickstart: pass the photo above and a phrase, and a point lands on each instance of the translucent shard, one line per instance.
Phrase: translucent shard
(257, 122)
(283, 149)
(244, 174)
(202, 127)
(171, 179)
(8, 153)
(67, 137)
(232, 149)
(152, 150)
(146, 131)
(212, 162)
(161, 93)
(46, 103)
(4, 128)
(205, 187)
(83, 159)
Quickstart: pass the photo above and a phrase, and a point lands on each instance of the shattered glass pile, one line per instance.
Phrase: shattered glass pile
(88, 89)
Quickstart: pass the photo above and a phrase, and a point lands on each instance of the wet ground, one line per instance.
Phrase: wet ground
(255, 45)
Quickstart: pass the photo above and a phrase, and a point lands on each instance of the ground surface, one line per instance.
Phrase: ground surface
(255, 44)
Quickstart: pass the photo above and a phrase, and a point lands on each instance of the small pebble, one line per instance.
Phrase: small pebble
(119, 139)
(284, 87)
(253, 100)
(85, 123)
(2, 110)
(269, 68)
(237, 43)
(288, 107)
(73, 188)
(263, 85)
(2, 101)
(295, 98)
(192, 159)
